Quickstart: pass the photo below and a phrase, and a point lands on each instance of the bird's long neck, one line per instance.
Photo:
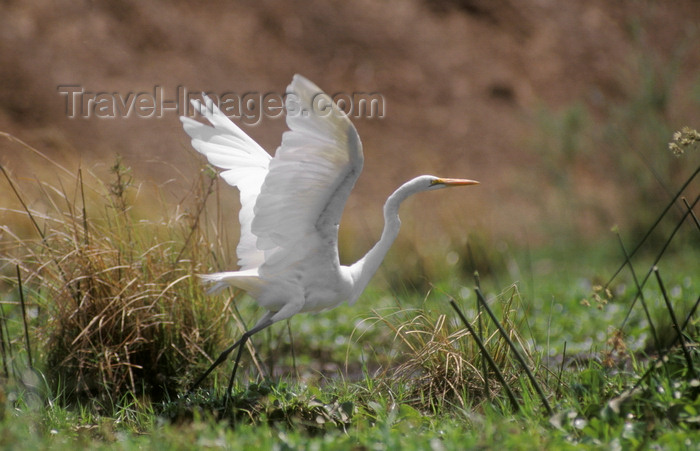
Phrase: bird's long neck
(363, 270)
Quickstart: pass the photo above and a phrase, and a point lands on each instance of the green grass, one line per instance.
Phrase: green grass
(594, 405)
(594, 411)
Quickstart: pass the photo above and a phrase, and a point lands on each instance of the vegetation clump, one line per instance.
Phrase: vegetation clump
(122, 309)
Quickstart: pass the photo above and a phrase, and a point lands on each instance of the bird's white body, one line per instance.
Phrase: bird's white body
(291, 206)
(312, 284)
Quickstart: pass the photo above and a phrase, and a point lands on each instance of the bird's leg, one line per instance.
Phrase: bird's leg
(218, 362)
(235, 365)
(264, 322)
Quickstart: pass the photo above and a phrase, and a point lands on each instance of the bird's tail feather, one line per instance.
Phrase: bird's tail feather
(247, 280)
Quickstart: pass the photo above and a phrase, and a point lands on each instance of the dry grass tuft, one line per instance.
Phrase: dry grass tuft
(120, 310)
(442, 362)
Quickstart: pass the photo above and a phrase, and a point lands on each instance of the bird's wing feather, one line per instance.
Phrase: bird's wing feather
(245, 166)
(310, 177)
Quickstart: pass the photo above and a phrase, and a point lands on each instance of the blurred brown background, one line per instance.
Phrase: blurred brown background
(561, 109)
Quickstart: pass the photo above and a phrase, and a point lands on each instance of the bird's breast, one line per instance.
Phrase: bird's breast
(326, 291)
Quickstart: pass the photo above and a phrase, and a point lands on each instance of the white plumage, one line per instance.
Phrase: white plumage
(291, 207)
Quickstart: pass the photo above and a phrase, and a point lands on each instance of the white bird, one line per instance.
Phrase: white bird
(291, 207)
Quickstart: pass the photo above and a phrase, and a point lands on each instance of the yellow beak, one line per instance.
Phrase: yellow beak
(456, 182)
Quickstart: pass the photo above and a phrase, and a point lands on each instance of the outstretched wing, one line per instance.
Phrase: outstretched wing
(245, 166)
(310, 177)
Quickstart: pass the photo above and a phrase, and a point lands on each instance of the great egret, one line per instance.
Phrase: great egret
(291, 206)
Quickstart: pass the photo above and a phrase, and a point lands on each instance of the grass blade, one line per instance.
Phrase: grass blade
(628, 262)
(515, 352)
(487, 356)
(480, 328)
(195, 225)
(24, 205)
(656, 223)
(86, 234)
(692, 213)
(3, 333)
(690, 315)
(24, 318)
(660, 359)
(658, 258)
(39, 231)
(561, 371)
(676, 326)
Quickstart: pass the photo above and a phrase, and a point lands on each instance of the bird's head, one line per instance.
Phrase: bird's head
(419, 185)
(430, 182)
